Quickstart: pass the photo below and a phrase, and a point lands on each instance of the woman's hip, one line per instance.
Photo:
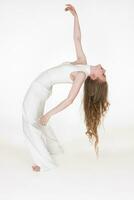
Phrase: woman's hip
(34, 100)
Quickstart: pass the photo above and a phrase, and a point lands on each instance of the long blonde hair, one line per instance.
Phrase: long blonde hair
(95, 105)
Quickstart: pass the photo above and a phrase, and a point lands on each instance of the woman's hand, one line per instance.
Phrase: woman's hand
(71, 9)
(43, 120)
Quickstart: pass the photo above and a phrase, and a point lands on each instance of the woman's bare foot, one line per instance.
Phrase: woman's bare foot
(36, 168)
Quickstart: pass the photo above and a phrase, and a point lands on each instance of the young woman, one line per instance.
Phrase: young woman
(39, 134)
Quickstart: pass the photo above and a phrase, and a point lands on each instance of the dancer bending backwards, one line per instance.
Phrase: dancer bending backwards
(39, 135)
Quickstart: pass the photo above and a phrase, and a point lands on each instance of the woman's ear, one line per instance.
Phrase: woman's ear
(93, 76)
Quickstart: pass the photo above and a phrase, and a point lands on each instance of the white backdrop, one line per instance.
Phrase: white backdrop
(37, 34)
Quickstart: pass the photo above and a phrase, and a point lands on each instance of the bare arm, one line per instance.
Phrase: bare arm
(81, 58)
(80, 77)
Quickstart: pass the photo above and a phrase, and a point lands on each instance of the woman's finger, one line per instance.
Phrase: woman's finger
(69, 5)
(40, 120)
(71, 9)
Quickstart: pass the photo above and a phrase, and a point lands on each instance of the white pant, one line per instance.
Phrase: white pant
(40, 140)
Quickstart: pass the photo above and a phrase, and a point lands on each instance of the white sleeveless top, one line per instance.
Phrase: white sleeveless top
(60, 74)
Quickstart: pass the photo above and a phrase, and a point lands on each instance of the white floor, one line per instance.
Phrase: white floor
(79, 175)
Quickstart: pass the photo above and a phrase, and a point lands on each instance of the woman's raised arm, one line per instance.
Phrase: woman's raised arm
(81, 58)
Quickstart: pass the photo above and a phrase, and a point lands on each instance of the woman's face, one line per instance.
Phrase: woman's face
(99, 71)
